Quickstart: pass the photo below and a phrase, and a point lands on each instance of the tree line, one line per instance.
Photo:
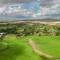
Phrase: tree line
(28, 28)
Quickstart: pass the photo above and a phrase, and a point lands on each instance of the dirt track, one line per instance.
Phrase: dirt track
(36, 49)
(40, 53)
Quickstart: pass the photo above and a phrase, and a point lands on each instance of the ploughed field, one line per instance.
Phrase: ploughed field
(19, 49)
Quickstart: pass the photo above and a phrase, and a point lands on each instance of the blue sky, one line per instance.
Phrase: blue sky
(30, 9)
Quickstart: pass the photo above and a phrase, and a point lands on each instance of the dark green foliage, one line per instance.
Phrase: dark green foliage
(28, 28)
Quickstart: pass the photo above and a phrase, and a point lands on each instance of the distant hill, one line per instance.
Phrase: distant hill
(29, 20)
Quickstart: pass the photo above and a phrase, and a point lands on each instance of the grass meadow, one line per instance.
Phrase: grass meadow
(20, 50)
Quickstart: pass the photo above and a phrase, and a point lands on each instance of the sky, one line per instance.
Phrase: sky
(50, 8)
(30, 9)
(15, 1)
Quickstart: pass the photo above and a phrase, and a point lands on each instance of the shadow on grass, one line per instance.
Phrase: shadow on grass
(44, 58)
(12, 52)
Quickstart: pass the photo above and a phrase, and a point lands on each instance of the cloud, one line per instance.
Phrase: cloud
(25, 9)
(46, 3)
(16, 7)
(48, 9)
(42, 9)
(14, 10)
(49, 3)
(14, 1)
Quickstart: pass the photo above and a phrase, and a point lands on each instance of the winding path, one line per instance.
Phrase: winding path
(40, 53)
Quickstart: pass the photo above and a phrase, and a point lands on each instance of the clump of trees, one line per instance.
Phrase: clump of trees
(28, 28)
(25, 29)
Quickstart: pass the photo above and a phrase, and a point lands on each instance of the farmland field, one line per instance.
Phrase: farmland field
(20, 50)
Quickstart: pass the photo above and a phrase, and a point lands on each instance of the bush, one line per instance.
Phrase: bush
(24, 29)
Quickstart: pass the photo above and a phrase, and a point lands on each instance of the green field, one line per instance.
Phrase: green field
(20, 50)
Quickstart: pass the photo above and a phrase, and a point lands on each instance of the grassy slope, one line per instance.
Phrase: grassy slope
(19, 50)
(48, 44)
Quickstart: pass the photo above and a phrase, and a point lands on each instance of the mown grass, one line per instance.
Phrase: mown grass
(20, 50)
